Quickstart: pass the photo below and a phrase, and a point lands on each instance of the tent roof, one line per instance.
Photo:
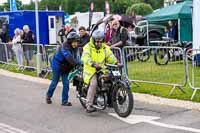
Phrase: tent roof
(180, 10)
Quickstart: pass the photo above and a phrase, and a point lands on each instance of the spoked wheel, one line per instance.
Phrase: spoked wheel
(161, 56)
(122, 100)
(143, 54)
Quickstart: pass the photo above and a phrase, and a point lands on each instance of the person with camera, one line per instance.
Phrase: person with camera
(95, 55)
(63, 61)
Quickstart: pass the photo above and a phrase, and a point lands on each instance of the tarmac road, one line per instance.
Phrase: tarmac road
(23, 110)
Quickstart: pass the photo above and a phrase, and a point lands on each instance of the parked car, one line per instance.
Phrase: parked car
(156, 31)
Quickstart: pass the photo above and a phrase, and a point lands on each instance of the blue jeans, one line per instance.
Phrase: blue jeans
(54, 82)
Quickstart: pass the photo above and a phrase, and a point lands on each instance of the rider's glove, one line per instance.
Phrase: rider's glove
(97, 66)
(119, 65)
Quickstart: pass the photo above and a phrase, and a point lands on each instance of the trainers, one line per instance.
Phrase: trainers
(90, 109)
(66, 104)
(48, 100)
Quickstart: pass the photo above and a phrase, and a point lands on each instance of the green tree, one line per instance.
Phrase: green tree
(6, 5)
(154, 3)
(140, 9)
(1, 8)
(30, 6)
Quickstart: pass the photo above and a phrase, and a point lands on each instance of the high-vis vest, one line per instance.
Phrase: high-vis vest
(92, 55)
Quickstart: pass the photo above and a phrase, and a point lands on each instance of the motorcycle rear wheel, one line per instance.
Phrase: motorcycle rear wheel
(82, 97)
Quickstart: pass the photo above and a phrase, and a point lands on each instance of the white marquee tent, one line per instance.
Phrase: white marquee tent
(196, 25)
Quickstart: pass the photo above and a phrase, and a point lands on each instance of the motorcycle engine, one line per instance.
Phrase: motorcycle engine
(100, 100)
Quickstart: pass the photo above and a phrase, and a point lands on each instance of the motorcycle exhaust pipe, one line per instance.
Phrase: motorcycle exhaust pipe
(94, 106)
(82, 98)
(97, 107)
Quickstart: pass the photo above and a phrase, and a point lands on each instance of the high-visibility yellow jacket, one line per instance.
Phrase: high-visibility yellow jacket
(92, 55)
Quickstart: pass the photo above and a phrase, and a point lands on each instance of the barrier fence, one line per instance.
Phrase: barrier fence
(48, 51)
(148, 64)
(157, 65)
(193, 70)
(21, 55)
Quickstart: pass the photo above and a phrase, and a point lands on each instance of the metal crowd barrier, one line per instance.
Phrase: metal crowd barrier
(3, 53)
(157, 65)
(8, 55)
(30, 56)
(48, 51)
(21, 55)
(193, 70)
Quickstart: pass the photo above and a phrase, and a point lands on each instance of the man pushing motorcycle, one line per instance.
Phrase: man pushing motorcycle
(95, 55)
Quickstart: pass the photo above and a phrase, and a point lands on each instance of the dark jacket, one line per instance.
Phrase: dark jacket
(84, 40)
(67, 54)
(173, 33)
(61, 33)
(28, 38)
(120, 35)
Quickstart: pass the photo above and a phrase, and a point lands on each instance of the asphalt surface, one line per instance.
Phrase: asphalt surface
(23, 110)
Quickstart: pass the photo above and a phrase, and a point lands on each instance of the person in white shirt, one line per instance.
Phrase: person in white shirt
(17, 47)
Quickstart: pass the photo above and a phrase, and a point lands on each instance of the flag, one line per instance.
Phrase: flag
(13, 6)
(91, 12)
(107, 8)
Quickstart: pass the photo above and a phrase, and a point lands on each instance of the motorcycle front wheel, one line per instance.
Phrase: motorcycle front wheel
(122, 99)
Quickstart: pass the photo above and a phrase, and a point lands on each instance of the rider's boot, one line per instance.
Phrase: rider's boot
(90, 109)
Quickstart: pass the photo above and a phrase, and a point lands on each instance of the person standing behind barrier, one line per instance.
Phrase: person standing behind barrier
(61, 33)
(173, 30)
(28, 38)
(68, 29)
(108, 33)
(119, 35)
(2, 47)
(84, 36)
(4, 39)
(64, 58)
(17, 47)
(119, 38)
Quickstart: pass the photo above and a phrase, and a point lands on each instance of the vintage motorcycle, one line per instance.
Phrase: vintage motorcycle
(113, 90)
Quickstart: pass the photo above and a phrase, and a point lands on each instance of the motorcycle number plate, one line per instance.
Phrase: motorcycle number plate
(116, 73)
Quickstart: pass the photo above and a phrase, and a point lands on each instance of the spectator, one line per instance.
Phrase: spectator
(108, 33)
(62, 63)
(119, 35)
(17, 47)
(84, 36)
(61, 33)
(173, 30)
(2, 47)
(10, 51)
(4, 38)
(119, 38)
(68, 29)
(28, 39)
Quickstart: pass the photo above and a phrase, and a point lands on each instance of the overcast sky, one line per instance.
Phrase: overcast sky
(23, 1)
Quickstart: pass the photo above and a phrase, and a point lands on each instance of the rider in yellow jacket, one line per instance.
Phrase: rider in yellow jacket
(95, 55)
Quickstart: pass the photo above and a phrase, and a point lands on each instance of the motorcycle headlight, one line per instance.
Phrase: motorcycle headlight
(141, 30)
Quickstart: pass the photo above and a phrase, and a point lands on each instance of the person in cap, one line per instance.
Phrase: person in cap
(62, 62)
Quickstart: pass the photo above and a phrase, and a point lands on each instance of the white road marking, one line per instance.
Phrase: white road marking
(174, 126)
(4, 128)
(134, 119)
